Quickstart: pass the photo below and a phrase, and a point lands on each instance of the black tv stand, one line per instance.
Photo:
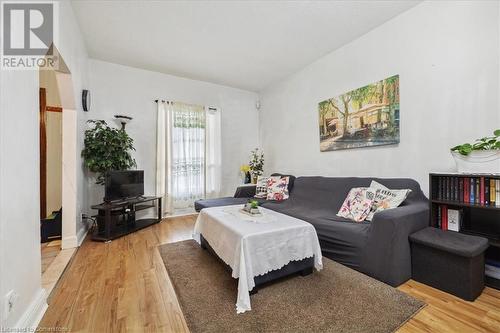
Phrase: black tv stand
(117, 218)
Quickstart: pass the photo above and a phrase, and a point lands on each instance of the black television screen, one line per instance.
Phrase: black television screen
(124, 184)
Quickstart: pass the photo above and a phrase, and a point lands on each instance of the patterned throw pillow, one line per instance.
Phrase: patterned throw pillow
(261, 188)
(358, 203)
(386, 198)
(277, 188)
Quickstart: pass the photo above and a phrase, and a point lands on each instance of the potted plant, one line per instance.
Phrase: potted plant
(256, 164)
(107, 148)
(482, 156)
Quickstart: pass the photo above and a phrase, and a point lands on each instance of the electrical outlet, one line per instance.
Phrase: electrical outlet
(10, 300)
(84, 217)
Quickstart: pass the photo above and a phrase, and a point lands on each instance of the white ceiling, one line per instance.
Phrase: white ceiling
(244, 44)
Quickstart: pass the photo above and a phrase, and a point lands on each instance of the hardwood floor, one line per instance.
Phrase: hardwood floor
(123, 286)
(50, 250)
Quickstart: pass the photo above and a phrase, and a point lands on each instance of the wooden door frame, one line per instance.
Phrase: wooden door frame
(44, 108)
(43, 153)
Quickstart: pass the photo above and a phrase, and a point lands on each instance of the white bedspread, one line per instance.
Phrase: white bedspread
(253, 246)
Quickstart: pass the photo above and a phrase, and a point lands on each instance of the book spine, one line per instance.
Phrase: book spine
(461, 189)
(445, 188)
(487, 191)
(481, 190)
(450, 188)
(440, 188)
(472, 198)
(466, 189)
(477, 195)
(497, 188)
(493, 193)
(455, 188)
(438, 224)
(445, 218)
(444, 211)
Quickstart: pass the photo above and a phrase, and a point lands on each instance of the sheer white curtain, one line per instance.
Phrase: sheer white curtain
(213, 153)
(188, 154)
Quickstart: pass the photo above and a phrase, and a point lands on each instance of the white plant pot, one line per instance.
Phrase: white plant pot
(478, 161)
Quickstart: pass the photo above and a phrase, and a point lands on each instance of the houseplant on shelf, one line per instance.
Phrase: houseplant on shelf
(256, 164)
(107, 148)
(482, 156)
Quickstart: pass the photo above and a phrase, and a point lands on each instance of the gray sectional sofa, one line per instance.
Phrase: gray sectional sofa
(379, 248)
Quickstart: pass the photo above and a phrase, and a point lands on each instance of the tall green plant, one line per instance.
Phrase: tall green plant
(486, 143)
(107, 148)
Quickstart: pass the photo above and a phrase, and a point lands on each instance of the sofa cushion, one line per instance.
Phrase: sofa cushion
(329, 192)
(386, 198)
(358, 203)
(261, 187)
(277, 188)
(291, 180)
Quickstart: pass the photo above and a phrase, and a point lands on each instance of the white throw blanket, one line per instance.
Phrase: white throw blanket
(253, 246)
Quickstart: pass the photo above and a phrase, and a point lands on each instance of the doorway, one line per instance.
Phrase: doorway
(50, 168)
(58, 156)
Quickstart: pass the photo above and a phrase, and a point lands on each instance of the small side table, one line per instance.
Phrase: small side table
(245, 191)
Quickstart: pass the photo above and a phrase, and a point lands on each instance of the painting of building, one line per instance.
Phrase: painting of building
(367, 116)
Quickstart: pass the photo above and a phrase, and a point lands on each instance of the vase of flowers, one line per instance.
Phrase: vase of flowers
(256, 164)
(245, 173)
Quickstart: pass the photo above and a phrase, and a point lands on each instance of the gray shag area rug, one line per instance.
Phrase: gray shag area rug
(336, 299)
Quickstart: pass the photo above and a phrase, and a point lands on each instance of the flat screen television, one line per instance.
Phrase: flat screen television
(124, 185)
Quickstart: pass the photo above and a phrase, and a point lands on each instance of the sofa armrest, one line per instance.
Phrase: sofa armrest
(245, 191)
(387, 256)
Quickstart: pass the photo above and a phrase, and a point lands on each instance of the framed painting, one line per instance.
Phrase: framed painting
(365, 117)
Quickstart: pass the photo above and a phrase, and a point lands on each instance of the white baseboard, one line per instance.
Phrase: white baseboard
(69, 242)
(34, 313)
(82, 233)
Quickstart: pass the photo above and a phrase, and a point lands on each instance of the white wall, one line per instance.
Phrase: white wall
(19, 191)
(118, 89)
(20, 263)
(446, 54)
(73, 50)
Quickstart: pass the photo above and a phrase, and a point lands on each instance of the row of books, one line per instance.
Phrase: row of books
(448, 219)
(473, 190)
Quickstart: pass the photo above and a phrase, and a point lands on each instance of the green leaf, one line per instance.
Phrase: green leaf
(497, 132)
(106, 148)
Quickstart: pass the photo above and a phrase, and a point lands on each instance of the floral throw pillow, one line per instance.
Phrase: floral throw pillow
(358, 203)
(261, 188)
(386, 198)
(277, 188)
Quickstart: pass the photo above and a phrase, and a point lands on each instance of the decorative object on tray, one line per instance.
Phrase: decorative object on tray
(245, 173)
(256, 164)
(277, 188)
(365, 117)
(482, 156)
(251, 208)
